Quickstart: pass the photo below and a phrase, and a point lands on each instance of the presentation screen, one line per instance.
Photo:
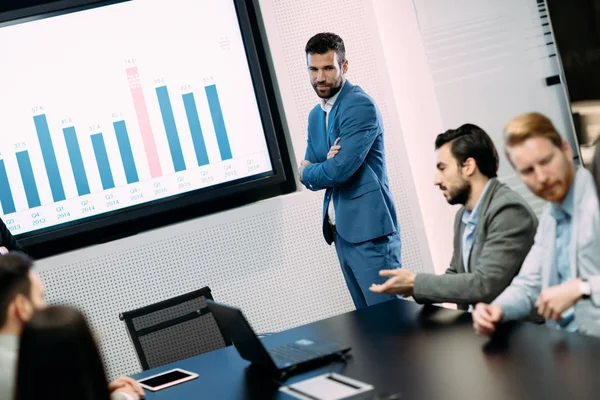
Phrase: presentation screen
(124, 105)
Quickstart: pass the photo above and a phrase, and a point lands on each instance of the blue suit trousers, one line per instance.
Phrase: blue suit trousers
(361, 263)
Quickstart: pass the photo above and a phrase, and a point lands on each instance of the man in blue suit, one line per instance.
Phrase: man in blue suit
(345, 156)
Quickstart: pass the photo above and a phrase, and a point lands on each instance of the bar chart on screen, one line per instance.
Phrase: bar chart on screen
(103, 183)
(96, 120)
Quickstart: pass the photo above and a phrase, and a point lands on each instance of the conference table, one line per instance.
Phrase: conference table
(411, 351)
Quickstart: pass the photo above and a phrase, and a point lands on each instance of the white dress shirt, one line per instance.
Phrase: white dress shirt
(327, 105)
(9, 347)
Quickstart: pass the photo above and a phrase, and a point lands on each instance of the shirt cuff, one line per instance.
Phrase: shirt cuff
(122, 396)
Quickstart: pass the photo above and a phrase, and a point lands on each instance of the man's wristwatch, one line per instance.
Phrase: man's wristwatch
(585, 288)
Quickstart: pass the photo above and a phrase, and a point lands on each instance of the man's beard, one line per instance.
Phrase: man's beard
(333, 90)
(560, 186)
(460, 194)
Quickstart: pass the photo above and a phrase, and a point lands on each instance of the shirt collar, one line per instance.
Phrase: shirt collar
(327, 104)
(558, 210)
(471, 216)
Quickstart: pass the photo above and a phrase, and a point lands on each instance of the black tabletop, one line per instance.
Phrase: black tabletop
(408, 351)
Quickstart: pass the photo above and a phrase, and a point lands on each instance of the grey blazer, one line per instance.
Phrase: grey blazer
(519, 298)
(504, 234)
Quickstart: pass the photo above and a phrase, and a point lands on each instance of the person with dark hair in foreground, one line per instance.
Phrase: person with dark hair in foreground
(493, 231)
(21, 296)
(59, 354)
(345, 156)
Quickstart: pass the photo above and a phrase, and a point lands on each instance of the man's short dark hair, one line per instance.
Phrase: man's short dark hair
(470, 141)
(324, 42)
(14, 280)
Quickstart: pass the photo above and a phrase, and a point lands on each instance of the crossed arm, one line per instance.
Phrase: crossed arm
(359, 127)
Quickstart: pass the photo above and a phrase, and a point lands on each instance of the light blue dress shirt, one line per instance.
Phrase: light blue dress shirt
(563, 214)
(469, 219)
(540, 268)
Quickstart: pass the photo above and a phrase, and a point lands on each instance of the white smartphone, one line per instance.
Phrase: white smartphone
(167, 379)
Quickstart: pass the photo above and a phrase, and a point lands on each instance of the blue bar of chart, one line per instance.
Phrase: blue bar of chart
(219, 123)
(6, 199)
(80, 161)
(196, 130)
(170, 128)
(77, 165)
(126, 153)
(49, 156)
(102, 160)
(31, 192)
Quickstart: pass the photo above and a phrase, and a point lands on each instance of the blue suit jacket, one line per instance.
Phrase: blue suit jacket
(356, 178)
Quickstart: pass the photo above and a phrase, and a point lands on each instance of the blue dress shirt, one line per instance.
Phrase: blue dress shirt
(469, 219)
(563, 214)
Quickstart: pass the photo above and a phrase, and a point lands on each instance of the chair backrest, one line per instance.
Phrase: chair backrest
(174, 329)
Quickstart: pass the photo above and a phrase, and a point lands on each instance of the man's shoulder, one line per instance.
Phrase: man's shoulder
(356, 94)
(502, 194)
(503, 199)
(356, 102)
(586, 196)
(314, 110)
(587, 209)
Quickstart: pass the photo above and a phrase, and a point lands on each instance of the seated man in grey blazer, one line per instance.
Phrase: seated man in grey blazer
(493, 231)
(561, 275)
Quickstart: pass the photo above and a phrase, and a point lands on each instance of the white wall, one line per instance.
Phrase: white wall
(420, 118)
(476, 61)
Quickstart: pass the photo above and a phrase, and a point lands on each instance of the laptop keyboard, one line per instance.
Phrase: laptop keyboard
(294, 354)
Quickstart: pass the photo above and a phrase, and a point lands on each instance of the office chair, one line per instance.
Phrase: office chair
(173, 329)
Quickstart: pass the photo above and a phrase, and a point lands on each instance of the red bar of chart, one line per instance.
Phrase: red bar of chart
(141, 111)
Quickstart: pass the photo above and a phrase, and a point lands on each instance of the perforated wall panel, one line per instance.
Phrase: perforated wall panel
(268, 258)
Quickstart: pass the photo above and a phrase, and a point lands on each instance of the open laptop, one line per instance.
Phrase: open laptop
(301, 354)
